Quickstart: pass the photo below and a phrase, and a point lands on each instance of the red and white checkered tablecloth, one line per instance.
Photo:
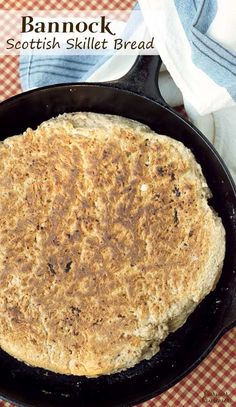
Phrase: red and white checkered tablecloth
(213, 382)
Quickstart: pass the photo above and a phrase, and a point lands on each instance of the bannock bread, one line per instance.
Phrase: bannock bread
(107, 243)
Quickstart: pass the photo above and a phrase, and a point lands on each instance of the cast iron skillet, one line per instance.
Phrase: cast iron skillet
(135, 96)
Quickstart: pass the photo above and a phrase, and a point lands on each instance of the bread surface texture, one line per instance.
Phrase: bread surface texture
(107, 243)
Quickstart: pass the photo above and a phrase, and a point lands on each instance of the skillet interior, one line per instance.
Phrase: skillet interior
(182, 350)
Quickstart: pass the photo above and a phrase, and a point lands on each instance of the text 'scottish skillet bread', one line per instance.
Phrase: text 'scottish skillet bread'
(107, 243)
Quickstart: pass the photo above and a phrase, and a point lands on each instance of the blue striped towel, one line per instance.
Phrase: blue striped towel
(37, 70)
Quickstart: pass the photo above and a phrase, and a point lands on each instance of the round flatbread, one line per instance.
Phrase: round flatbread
(107, 243)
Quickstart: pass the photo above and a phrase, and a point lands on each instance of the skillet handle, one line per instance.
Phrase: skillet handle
(142, 78)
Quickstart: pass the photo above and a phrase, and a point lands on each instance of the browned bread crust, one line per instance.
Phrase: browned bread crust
(107, 243)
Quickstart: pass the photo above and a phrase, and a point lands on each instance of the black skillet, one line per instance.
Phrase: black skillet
(135, 96)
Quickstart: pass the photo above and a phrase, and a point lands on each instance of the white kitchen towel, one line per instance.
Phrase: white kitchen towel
(201, 66)
(197, 42)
